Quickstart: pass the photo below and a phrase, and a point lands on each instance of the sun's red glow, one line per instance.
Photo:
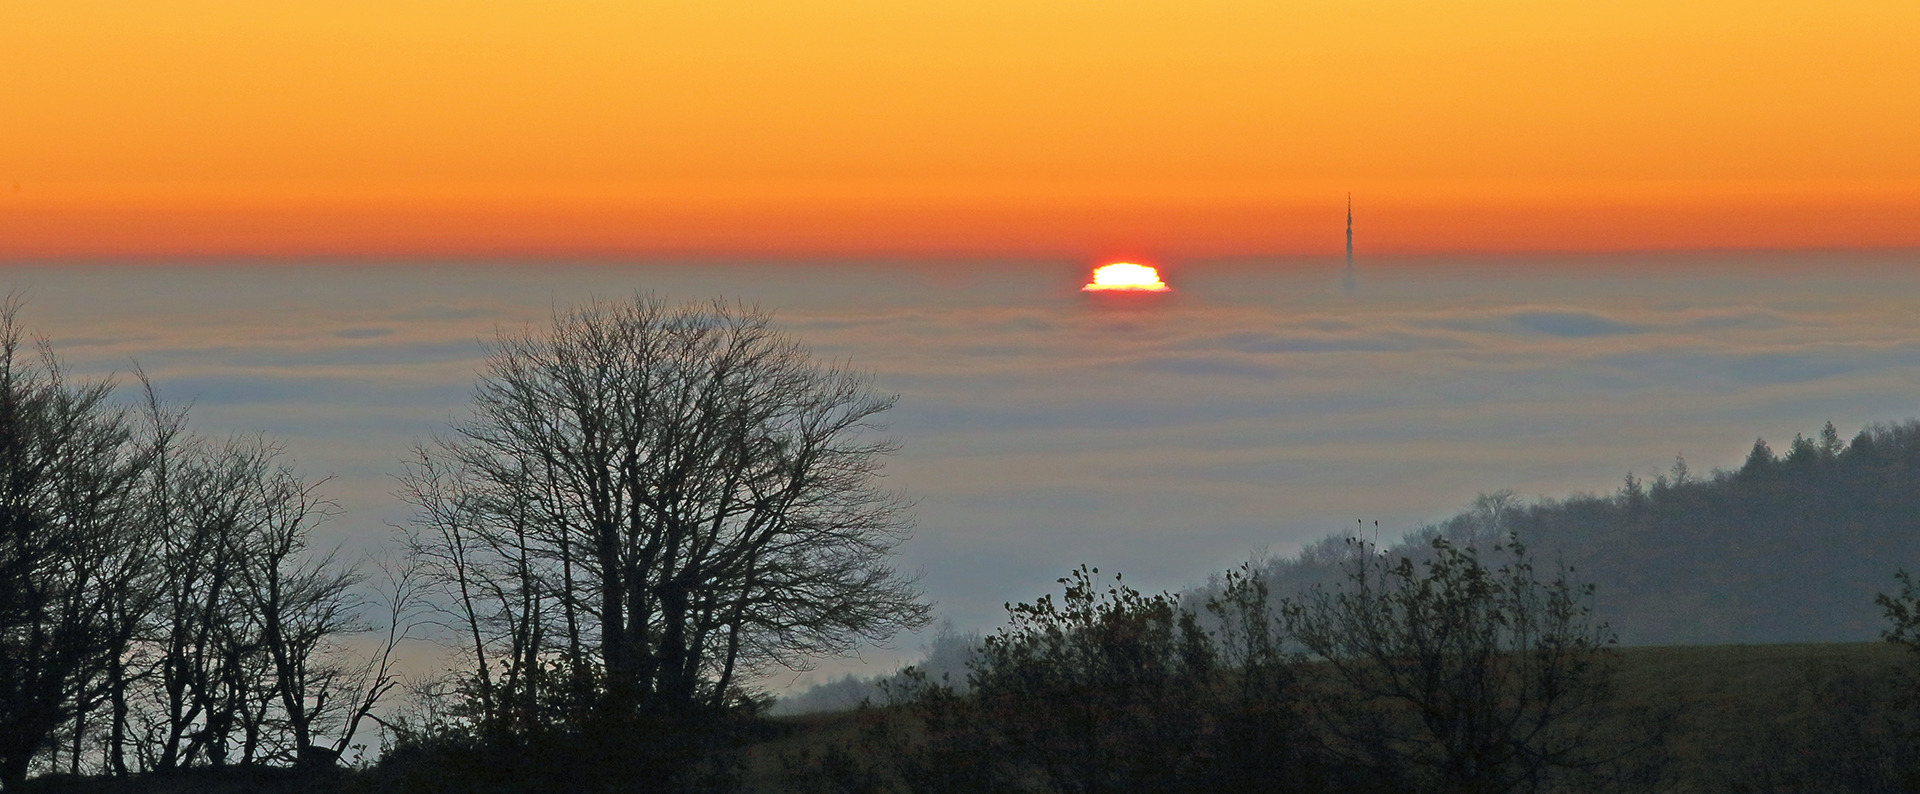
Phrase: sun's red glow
(1126, 277)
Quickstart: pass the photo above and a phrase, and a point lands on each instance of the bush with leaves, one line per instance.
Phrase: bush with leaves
(1463, 673)
(1103, 691)
(446, 752)
(1260, 741)
(1903, 612)
(1106, 689)
(1903, 616)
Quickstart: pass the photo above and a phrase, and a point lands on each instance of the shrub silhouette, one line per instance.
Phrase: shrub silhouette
(1105, 690)
(1463, 673)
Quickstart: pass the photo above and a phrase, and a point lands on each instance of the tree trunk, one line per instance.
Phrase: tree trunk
(615, 651)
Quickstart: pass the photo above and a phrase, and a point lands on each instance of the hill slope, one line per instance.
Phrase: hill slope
(1788, 548)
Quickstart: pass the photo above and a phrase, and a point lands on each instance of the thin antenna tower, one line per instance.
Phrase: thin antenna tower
(1348, 279)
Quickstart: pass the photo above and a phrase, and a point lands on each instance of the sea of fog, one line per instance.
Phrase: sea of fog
(1258, 406)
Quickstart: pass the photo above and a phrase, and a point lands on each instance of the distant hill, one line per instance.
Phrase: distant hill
(1787, 548)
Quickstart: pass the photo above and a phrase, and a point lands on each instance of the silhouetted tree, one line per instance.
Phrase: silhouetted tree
(1259, 738)
(650, 502)
(74, 557)
(206, 647)
(1760, 458)
(301, 602)
(159, 605)
(1459, 673)
(1803, 451)
(242, 660)
(1105, 690)
(1830, 444)
(1902, 612)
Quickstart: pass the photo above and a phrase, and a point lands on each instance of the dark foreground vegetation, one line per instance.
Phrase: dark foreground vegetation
(160, 607)
(650, 505)
(1466, 673)
(1732, 718)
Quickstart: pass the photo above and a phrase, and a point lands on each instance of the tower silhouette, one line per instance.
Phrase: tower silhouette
(1348, 279)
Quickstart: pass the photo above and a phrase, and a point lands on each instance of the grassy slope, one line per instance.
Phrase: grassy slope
(1772, 717)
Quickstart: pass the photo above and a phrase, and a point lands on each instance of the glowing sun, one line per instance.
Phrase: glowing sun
(1126, 277)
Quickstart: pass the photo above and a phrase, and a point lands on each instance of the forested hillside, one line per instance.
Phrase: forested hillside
(1788, 548)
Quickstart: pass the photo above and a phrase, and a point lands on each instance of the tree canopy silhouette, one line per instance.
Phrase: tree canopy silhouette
(1465, 674)
(159, 605)
(73, 549)
(650, 501)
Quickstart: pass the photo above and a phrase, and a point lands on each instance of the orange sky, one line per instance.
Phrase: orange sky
(935, 127)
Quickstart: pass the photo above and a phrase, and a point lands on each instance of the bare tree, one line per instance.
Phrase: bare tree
(256, 659)
(157, 592)
(202, 634)
(73, 558)
(497, 596)
(651, 501)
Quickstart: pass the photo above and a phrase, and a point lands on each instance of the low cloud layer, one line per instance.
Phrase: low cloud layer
(1247, 410)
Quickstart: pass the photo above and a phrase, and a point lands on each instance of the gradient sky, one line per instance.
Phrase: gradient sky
(948, 127)
(921, 186)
